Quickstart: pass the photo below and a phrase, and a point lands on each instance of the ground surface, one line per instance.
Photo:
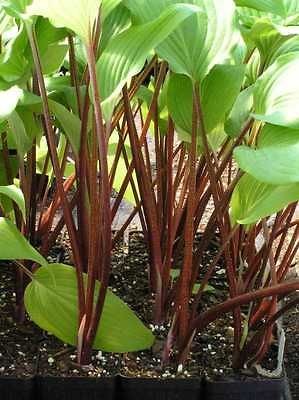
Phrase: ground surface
(25, 350)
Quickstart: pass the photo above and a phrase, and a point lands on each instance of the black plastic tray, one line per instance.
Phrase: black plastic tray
(253, 389)
(17, 389)
(122, 388)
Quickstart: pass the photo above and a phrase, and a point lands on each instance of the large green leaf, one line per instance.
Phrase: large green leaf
(283, 8)
(276, 95)
(13, 245)
(198, 44)
(108, 6)
(219, 91)
(70, 123)
(116, 22)
(14, 65)
(77, 15)
(53, 58)
(9, 100)
(240, 112)
(276, 160)
(180, 101)
(268, 37)
(126, 54)
(51, 300)
(15, 194)
(253, 200)
(18, 132)
(15, 7)
(290, 45)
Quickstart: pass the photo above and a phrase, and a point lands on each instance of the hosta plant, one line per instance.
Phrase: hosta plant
(180, 107)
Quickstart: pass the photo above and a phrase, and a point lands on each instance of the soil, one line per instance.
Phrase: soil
(292, 351)
(26, 350)
(18, 343)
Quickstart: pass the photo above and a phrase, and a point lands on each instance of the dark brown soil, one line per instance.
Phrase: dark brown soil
(129, 280)
(18, 343)
(292, 351)
(211, 352)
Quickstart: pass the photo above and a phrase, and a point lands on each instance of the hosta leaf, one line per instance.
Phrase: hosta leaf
(9, 100)
(219, 91)
(179, 99)
(276, 161)
(53, 58)
(77, 15)
(248, 17)
(13, 63)
(214, 30)
(51, 300)
(253, 200)
(15, 7)
(108, 6)
(70, 123)
(287, 46)
(13, 245)
(283, 8)
(240, 112)
(117, 21)
(15, 194)
(276, 95)
(126, 54)
(47, 34)
(18, 133)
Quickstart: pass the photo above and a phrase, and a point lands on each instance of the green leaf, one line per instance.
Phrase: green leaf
(53, 58)
(70, 123)
(15, 194)
(276, 160)
(19, 135)
(290, 45)
(283, 8)
(13, 245)
(15, 8)
(51, 300)
(214, 30)
(14, 65)
(117, 21)
(219, 91)
(126, 54)
(76, 15)
(276, 94)
(240, 112)
(47, 34)
(9, 100)
(108, 6)
(253, 200)
(180, 103)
